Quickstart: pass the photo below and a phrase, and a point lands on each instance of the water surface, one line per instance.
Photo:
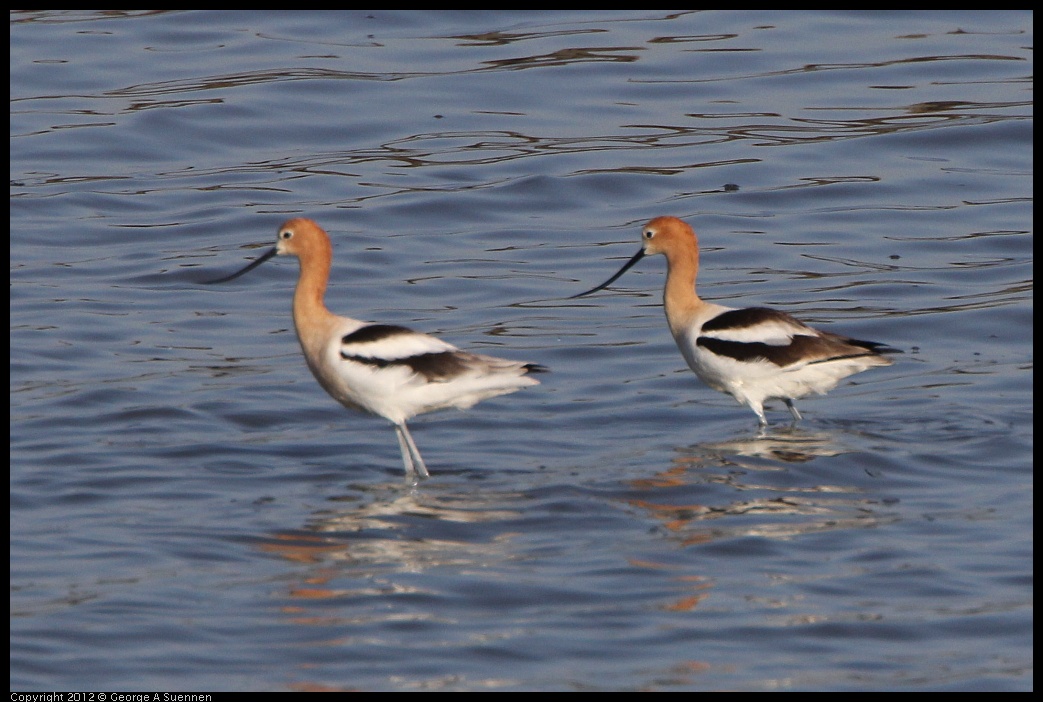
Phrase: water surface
(189, 511)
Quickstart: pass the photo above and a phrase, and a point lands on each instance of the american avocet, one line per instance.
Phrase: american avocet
(384, 369)
(753, 354)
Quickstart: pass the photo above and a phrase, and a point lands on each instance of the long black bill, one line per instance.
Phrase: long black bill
(626, 267)
(268, 254)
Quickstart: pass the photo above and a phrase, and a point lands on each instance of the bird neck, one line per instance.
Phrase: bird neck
(309, 307)
(680, 301)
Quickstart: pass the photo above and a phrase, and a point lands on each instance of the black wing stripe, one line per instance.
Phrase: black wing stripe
(808, 349)
(749, 317)
(374, 332)
(440, 366)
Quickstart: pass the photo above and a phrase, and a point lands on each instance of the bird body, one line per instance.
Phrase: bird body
(753, 354)
(383, 369)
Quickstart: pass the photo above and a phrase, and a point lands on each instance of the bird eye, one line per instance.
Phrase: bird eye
(649, 233)
(285, 234)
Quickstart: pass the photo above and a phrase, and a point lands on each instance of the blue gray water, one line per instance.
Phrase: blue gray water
(189, 511)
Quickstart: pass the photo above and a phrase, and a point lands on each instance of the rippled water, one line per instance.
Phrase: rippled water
(189, 511)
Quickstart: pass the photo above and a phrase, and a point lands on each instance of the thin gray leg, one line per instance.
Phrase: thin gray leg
(792, 409)
(411, 458)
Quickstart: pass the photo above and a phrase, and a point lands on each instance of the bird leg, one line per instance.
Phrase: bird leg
(410, 454)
